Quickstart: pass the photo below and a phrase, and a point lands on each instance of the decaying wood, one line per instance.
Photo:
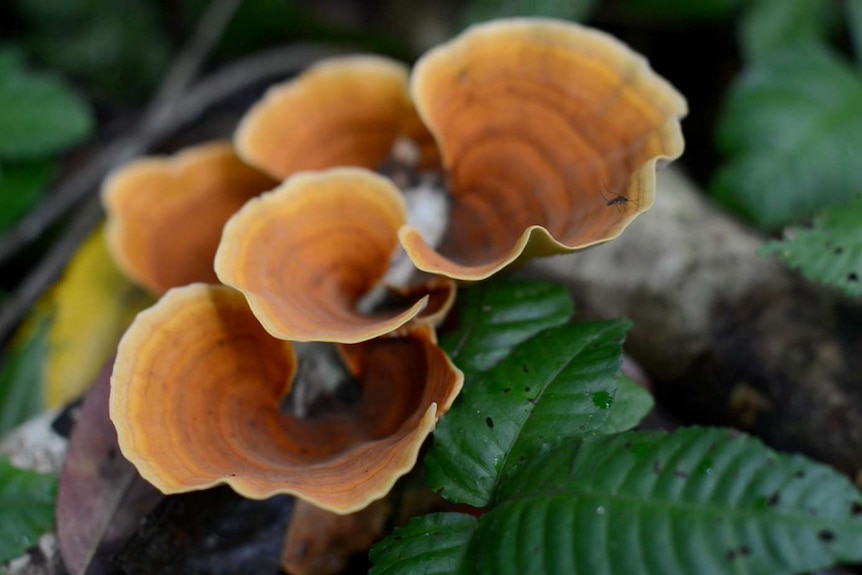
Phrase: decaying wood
(727, 336)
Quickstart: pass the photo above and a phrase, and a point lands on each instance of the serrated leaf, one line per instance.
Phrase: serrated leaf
(495, 316)
(481, 10)
(22, 185)
(21, 374)
(559, 384)
(791, 126)
(26, 508)
(770, 25)
(680, 10)
(705, 501)
(39, 116)
(430, 545)
(631, 404)
(829, 252)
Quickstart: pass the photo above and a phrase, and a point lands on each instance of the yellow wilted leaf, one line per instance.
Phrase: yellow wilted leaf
(91, 306)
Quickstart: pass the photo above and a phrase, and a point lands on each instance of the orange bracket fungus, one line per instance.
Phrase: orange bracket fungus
(346, 111)
(548, 136)
(550, 133)
(165, 215)
(196, 395)
(305, 253)
(546, 129)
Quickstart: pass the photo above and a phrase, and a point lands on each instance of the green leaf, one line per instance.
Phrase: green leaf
(559, 384)
(829, 252)
(22, 185)
(39, 116)
(682, 10)
(495, 316)
(631, 404)
(705, 501)
(21, 378)
(430, 545)
(26, 508)
(791, 126)
(770, 25)
(481, 10)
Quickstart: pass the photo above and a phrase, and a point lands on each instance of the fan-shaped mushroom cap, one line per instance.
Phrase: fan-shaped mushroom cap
(346, 111)
(196, 393)
(305, 253)
(165, 215)
(550, 134)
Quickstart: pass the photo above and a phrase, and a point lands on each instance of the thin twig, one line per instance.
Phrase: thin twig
(243, 73)
(68, 194)
(189, 62)
(219, 86)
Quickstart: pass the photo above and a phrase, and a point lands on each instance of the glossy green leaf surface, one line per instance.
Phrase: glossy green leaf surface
(790, 129)
(26, 508)
(630, 405)
(558, 385)
(706, 501)
(430, 545)
(830, 251)
(495, 316)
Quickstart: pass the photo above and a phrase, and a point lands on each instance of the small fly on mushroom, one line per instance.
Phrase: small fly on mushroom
(615, 199)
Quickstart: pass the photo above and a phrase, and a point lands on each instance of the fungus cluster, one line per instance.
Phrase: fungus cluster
(547, 134)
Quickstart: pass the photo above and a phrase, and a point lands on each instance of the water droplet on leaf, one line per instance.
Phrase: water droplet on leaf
(602, 399)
